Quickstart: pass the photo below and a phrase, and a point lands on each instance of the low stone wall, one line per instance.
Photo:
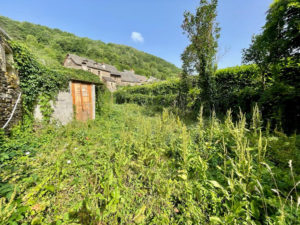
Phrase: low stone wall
(9, 86)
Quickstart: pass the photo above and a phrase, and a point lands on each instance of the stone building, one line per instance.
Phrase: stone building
(142, 79)
(129, 78)
(110, 83)
(109, 74)
(114, 73)
(10, 92)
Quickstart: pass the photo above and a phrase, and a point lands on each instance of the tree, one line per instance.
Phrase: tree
(276, 52)
(279, 40)
(184, 85)
(258, 55)
(200, 56)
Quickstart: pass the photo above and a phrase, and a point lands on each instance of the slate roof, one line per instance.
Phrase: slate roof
(126, 76)
(141, 78)
(108, 79)
(113, 70)
(129, 76)
(89, 62)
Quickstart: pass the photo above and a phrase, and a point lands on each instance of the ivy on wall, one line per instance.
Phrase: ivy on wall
(40, 84)
(35, 79)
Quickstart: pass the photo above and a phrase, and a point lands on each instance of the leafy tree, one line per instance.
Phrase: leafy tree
(279, 40)
(276, 52)
(184, 84)
(200, 56)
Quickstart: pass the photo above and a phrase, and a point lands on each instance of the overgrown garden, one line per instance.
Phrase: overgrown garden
(131, 168)
(236, 161)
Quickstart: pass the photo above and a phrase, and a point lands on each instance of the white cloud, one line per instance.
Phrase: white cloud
(137, 37)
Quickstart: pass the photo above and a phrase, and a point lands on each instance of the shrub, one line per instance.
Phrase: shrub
(160, 94)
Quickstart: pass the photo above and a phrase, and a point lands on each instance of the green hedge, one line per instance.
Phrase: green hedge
(161, 94)
(240, 88)
(237, 87)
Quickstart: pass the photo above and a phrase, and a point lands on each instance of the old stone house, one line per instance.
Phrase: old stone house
(10, 92)
(142, 79)
(129, 78)
(109, 74)
(114, 73)
(110, 83)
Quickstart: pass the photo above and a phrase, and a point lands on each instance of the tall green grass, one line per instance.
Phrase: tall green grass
(131, 168)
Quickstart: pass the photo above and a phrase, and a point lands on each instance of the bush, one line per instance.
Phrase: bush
(237, 87)
(160, 94)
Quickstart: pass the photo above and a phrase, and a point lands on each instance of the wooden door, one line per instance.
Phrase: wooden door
(82, 101)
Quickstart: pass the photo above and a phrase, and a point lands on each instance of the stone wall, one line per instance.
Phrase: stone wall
(111, 86)
(70, 64)
(9, 85)
(62, 108)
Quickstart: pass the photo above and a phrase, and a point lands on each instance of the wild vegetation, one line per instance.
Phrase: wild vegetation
(129, 167)
(52, 45)
(139, 165)
(161, 94)
(272, 81)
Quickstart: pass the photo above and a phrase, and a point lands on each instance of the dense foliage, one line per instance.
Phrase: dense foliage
(127, 168)
(52, 45)
(35, 79)
(276, 53)
(237, 88)
(280, 37)
(161, 94)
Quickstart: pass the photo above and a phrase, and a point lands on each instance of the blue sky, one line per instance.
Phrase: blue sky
(152, 26)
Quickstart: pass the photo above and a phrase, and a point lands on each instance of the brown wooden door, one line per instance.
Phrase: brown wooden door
(82, 100)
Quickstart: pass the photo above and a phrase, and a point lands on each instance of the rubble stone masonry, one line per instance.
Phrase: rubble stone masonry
(9, 86)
